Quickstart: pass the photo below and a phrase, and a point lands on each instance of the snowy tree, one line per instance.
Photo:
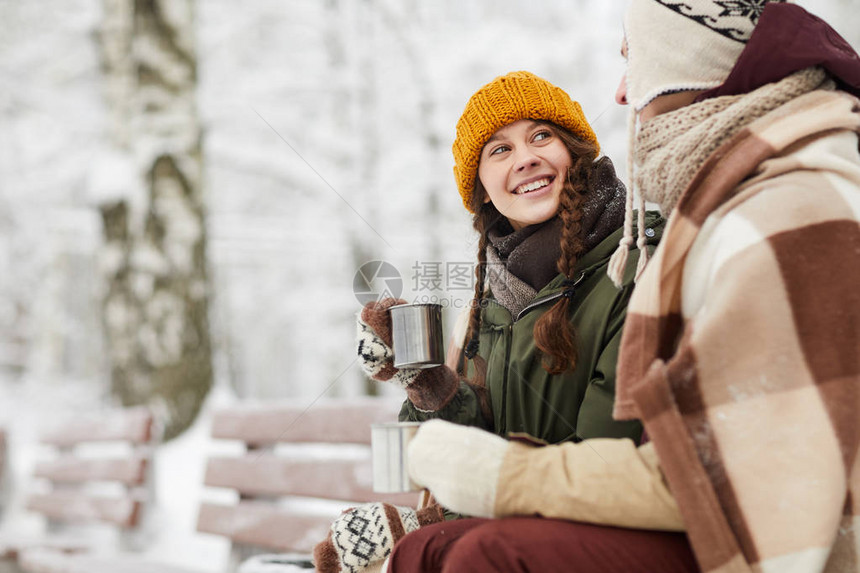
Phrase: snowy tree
(155, 305)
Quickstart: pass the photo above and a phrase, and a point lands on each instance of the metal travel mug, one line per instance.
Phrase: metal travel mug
(417, 334)
(388, 443)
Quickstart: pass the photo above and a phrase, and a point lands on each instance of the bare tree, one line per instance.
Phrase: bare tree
(409, 29)
(156, 300)
(352, 110)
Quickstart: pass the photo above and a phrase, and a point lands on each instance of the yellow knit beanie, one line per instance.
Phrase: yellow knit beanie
(506, 99)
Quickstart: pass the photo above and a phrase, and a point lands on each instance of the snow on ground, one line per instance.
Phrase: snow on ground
(179, 477)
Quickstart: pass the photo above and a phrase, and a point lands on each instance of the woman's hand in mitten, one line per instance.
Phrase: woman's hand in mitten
(429, 389)
(365, 535)
(374, 341)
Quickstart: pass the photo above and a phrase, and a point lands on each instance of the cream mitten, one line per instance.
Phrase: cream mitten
(460, 465)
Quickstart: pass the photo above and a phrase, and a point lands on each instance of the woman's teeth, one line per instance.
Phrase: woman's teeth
(531, 186)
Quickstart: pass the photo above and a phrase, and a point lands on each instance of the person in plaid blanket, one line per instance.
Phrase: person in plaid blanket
(741, 349)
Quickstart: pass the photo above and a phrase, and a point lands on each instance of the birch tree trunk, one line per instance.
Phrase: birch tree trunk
(156, 299)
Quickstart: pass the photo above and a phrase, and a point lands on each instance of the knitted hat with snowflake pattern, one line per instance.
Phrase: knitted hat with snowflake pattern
(675, 46)
(680, 45)
(506, 99)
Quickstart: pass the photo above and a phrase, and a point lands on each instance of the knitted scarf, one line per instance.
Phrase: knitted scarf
(672, 147)
(532, 252)
(520, 263)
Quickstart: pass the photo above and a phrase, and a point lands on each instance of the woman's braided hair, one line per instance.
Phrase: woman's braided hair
(554, 334)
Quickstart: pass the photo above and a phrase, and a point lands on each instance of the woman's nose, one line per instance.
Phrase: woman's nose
(525, 159)
(621, 92)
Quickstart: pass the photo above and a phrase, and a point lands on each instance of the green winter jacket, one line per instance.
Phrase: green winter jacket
(576, 404)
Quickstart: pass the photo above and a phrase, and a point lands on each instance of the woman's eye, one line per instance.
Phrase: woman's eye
(499, 149)
(541, 135)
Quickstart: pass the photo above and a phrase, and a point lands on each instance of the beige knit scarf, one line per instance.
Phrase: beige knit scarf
(671, 148)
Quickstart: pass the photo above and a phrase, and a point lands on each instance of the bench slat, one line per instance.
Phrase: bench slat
(76, 507)
(11, 546)
(69, 469)
(317, 475)
(270, 425)
(133, 425)
(45, 560)
(274, 475)
(265, 526)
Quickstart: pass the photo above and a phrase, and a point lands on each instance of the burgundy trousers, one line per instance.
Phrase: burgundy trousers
(533, 544)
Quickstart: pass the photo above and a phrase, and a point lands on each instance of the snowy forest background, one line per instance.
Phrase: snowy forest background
(188, 189)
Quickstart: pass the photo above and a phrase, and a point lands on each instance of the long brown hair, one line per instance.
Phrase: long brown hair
(554, 335)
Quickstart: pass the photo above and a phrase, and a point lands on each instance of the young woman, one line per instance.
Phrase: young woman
(546, 321)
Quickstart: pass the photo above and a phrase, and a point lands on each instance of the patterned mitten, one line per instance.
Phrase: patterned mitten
(429, 389)
(364, 536)
(375, 344)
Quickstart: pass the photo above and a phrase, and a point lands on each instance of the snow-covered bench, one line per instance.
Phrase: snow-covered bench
(94, 486)
(301, 467)
(74, 469)
(101, 486)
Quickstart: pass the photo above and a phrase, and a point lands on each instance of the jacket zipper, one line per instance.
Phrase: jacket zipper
(508, 340)
(550, 297)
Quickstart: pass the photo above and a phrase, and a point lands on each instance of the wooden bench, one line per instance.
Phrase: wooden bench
(97, 480)
(301, 467)
(48, 560)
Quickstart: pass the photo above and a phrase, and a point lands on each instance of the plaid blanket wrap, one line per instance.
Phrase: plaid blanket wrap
(741, 350)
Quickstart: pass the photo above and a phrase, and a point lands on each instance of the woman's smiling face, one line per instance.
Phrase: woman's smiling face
(523, 168)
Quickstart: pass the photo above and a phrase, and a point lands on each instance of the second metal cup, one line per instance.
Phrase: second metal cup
(389, 443)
